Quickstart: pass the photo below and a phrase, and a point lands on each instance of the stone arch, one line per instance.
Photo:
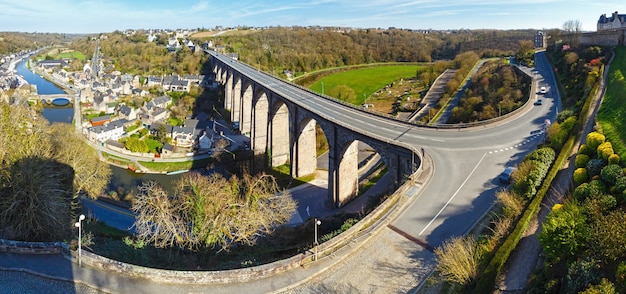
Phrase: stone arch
(348, 173)
(280, 136)
(235, 111)
(228, 90)
(304, 148)
(260, 115)
(245, 119)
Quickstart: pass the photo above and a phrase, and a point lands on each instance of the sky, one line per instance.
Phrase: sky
(101, 16)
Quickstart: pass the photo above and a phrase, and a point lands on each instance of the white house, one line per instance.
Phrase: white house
(112, 131)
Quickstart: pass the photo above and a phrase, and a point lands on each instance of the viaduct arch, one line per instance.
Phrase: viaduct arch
(268, 111)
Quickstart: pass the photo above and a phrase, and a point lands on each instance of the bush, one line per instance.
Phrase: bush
(614, 159)
(605, 287)
(581, 160)
(583, 149)
(594, 167)
(580, 175)
(582, 273)
(605, 150)
(581, 192)
(594, 139)
(620, 186)
(596, 188)
(564, 231)
(532, 171)
(620, 274)
(611, 173)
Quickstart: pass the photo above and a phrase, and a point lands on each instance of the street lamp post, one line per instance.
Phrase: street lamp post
(317, 223)
(78, 224)
(322, 88)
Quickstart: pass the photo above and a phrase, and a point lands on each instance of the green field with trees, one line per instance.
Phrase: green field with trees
(354, 86)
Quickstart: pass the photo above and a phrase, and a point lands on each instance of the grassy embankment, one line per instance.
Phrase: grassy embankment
(612, 115)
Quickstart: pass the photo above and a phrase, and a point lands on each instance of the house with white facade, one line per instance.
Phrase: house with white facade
(614, 22)
(109, 131)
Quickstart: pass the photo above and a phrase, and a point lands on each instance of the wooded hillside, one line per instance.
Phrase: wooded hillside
(300, 50)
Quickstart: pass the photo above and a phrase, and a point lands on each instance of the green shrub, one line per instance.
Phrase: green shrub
(545, 155)
(581, 274)
(583, 149)
(611, 173)
(596, 188)
(580, 175)
(620, 185)
(581, 192)
(563, 115)
(565, 231)
(605, 150)
(594, 139)
(595, 166)
(620, 274)
(605, 287)
(608, 202)
(614, 159)
(581, 160)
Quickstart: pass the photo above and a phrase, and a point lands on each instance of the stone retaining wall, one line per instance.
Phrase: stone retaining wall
(33, 247)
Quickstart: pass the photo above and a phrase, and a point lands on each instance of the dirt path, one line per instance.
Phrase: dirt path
(527, 255)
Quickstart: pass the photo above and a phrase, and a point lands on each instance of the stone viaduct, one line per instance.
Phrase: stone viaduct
(282, 132)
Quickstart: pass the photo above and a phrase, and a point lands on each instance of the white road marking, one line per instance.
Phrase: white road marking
(454, 195)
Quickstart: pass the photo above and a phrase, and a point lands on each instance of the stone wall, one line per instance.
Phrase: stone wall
(604, 38)
(33, 247)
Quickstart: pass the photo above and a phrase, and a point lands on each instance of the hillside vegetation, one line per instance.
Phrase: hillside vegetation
(612, 115)
(301, 50)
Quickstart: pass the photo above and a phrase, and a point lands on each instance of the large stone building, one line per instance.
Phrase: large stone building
(616, 21)
(611, 31)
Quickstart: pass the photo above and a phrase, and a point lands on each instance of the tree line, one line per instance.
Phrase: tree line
(300, 50)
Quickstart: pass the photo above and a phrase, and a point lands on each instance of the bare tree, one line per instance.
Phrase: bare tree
(91, 175)
(160, 220)
(211, 211)
(573, 30)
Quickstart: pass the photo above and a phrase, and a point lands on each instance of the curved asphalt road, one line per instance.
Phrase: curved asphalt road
(397, 258)
(462, 189)
(466, 162)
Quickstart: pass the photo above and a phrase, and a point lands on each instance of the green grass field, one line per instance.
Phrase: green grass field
(365, 81)
(612, 114)
(71, 55)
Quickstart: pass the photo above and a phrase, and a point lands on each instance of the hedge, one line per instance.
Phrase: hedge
(487, 280)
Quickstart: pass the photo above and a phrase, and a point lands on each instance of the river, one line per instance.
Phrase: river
(121, 179)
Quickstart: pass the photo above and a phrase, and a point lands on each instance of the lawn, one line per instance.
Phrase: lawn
(365, 81)
(71, 55)
(612, 114)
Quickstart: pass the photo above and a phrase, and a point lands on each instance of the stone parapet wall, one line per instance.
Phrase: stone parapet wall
(604, 38)
(21, 247)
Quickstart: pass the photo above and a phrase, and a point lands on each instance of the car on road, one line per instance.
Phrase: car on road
(538, 102)
(505, 176)
(543, 90)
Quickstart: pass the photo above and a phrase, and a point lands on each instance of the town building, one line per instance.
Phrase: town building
(616, 21)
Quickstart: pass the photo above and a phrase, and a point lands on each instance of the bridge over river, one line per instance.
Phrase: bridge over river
(49, 98)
